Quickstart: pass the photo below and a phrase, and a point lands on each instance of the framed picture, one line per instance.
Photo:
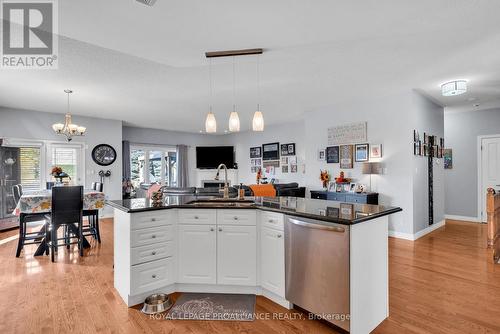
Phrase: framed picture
(346, 160)
(270, 151)
(416, 136)
(284, 160)
(338, 187)
(376, 151)
(288, 149)
(448, 158)
(332, 212)
(332, 155)
(293, 168)
(321, 155)
(346, 210)
(255, 152)
(361, 152)
(292, 160)
(352, 187)
(284, 168)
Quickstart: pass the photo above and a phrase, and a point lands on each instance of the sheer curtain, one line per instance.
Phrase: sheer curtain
(182, 166)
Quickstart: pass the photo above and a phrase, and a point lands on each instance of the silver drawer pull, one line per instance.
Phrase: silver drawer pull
(153, 236)
(279, 235)
(153, 253)
(153, 276)
(220, 229)
(153, 219)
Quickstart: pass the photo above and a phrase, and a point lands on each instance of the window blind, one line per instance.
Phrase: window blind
(30, 168)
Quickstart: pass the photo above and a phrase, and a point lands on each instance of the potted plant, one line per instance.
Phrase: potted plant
(59, 174)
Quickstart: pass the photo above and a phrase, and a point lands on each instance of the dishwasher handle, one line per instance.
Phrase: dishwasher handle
(317, 226)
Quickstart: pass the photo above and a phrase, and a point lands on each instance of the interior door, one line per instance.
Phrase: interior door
(490, 156)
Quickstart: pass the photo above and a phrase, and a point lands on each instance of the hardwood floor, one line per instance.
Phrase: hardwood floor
(442, 283)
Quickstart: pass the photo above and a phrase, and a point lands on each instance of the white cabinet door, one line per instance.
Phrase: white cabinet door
(197, 254)
(272, 261)
(236, 255)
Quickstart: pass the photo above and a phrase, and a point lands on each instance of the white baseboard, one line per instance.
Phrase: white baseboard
(419, 234)
(464, 218)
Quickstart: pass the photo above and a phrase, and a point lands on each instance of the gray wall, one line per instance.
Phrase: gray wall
(25, 124)
(461, 132)
(427, 117)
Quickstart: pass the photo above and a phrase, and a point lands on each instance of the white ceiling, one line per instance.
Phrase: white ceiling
(146, 65)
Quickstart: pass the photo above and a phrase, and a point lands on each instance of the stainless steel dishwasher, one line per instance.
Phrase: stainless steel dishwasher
(317, 268)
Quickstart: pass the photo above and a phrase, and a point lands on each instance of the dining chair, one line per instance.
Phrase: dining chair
(67, 211)
(92, 228)
(49, 185)
(29, 221)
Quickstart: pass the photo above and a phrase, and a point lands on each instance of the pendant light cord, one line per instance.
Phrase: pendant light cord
(234, 83)
(210, 83)
(258, 83)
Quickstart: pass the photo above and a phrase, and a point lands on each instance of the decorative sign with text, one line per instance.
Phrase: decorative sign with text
(347, 134)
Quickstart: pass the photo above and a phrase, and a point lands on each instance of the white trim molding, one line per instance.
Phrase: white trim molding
(480, 176)
(419, 234)
(463, 218)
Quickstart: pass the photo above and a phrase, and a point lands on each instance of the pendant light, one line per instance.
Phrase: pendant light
(258, 117)
(68, 129)
(210, 122)
(234, 119)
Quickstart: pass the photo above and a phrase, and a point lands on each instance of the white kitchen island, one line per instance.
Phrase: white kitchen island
(183, 246)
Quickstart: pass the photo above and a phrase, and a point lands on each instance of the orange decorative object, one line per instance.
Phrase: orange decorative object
(324, 176)
(263, 190)
(342, 179)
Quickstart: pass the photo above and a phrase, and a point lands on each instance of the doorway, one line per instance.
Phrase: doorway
(489, 170)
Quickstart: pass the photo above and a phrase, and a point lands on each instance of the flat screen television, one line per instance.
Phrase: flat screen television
(209, 157)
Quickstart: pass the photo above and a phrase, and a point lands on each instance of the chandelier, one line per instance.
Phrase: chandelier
(68, 129)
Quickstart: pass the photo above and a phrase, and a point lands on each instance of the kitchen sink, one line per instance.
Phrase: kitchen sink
(223, 202)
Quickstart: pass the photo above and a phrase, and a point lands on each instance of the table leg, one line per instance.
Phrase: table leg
(74, 230)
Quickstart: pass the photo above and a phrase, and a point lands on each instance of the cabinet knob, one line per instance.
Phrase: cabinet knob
(235, 218)
(220, 229)
(279, 235)
(271, 220)
(154, 276)
(212, 229)
(153, 253)
(153, 219)
(195, 217)
(153, 236)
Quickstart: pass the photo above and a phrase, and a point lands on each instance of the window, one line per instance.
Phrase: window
(153, 165)
(69, 158)
(30, 168)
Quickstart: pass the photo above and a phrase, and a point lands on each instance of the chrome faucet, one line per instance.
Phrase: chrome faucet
(226, 183)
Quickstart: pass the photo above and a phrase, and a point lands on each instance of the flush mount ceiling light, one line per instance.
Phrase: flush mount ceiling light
(68, 129)
(453, 88)
(234, 119)
(147, 2)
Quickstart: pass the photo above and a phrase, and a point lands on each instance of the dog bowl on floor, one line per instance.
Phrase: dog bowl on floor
(156, 303)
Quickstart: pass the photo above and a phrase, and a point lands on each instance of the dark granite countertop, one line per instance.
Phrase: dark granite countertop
(328, 211)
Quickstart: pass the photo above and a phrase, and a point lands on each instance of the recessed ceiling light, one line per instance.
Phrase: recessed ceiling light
(453, 88)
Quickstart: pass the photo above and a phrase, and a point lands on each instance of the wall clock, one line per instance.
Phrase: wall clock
(104, 154)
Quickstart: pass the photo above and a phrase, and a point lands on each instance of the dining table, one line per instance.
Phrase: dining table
(40, 201)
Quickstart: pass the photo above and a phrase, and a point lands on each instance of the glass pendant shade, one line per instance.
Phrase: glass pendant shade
(210, 123)
(234, 122)
(58, 127)
(258, 121)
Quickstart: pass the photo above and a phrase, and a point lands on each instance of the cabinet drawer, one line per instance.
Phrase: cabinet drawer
(152, 252)
(152, 219)
(152, 235)
(237, 217)
(152, 275)
(272, 220)
(318, 195)
(336, 197)
(197, 216)
(355, 199)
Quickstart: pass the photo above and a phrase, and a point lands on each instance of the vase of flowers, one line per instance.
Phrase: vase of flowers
(324, 176)
(59, 174)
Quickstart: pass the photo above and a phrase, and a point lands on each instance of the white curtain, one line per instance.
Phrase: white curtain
(182, 166)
